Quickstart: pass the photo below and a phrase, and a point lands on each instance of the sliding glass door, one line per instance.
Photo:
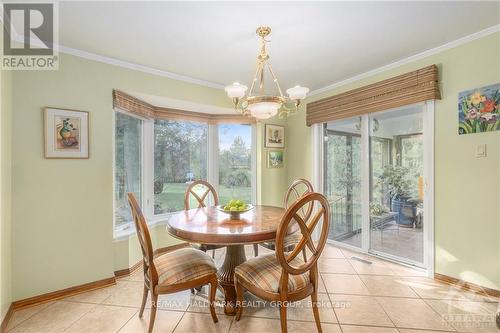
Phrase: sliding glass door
(396, 179)
(342, 183)
(373, 176)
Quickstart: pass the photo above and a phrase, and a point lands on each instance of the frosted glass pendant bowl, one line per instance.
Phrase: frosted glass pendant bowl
(264, 107)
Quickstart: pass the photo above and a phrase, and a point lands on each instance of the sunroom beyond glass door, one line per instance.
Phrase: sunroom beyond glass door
(342, 179)
(396, 184)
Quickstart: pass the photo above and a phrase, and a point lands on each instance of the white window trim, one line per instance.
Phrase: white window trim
(125, 230)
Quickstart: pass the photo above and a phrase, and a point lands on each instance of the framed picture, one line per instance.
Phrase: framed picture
(275, 159)
(274, 136)
(66, 133)
(479, 110)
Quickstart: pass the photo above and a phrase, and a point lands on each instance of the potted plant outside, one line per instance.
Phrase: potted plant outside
(397, 181)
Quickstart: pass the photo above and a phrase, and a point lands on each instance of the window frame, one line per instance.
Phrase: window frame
(147, 170)
(126, 228)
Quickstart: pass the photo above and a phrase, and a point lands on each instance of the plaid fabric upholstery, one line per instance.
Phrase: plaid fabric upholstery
(265, 273)
(183, 265)
(290, 241)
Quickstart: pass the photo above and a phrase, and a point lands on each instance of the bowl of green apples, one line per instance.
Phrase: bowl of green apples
(235, 208)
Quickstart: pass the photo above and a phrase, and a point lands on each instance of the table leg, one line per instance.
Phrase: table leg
(235, 255)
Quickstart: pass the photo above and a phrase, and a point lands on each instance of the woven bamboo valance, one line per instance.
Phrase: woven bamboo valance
(136, 106)
(417, 86)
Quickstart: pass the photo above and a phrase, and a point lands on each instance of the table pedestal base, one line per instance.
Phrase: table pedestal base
(235, 255)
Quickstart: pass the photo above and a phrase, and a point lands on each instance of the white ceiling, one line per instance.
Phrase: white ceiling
(312, 43)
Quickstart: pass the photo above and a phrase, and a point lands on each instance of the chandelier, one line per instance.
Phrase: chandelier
(260, 105)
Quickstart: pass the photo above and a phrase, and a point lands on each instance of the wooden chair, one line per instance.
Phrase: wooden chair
(173, 271)
(201, 201)
(297, 189)
(284, 277)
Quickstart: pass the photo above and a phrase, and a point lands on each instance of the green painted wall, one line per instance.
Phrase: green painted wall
(467, 189)
(6, 192)
(272, 182)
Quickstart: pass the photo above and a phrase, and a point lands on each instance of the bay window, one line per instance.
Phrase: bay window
(235, 162)
(180, 156)
(157, 159)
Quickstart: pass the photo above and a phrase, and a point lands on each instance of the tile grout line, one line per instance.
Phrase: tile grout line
(176, 325)
(34, 314)
(375, 298)
(73, 323)
(126, 322)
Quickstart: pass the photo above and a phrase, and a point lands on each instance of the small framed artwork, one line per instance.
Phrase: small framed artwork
(275, 159)
(274, 136)
(66, 133)
(479, 110)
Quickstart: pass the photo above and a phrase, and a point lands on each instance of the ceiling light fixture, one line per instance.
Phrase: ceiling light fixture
(262, 106)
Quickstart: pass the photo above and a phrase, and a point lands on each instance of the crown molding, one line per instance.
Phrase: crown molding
(137, 67)
(415, 57)
(122, 63)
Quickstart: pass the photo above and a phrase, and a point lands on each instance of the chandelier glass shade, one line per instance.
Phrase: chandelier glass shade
(260, 105)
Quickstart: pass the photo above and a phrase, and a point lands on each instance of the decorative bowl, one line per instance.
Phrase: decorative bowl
(235, 215)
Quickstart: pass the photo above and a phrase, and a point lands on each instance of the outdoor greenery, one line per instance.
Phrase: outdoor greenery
(397, 179)
(127, 164)
(181, 150)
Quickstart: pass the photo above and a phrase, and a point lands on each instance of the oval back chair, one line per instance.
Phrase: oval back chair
(284, 277)
(170, 272)
(207, 189)
(295, 191)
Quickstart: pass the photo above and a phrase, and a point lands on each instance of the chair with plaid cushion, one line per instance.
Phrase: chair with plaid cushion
(193, 193)
(284, 277)
(298, 188)
(171, 272)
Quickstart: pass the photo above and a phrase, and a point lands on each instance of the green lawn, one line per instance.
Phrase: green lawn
(172, 197)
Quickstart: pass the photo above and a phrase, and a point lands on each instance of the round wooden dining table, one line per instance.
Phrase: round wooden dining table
(207, 225)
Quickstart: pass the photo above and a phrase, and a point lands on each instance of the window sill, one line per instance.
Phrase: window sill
(127, 230)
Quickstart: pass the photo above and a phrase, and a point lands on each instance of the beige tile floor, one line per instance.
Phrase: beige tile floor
(355, 298)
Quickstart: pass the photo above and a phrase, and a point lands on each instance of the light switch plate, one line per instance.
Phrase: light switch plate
(481, 150)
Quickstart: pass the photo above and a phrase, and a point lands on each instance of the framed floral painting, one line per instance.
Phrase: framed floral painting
(66, 133)
(479, 110)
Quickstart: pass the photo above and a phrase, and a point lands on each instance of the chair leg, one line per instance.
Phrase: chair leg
(304, 255)
(283, 317)
(239, 299)
(314, 299)
(144, 299)
(213, 290)
(256, 250)
(154, 301)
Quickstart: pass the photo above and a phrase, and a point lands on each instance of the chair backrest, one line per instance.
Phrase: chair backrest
(297, 189)
(307, 227)
(150, 273)
(208, 189)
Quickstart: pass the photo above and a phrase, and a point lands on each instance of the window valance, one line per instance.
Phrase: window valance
(413, 87)
(126, 102)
